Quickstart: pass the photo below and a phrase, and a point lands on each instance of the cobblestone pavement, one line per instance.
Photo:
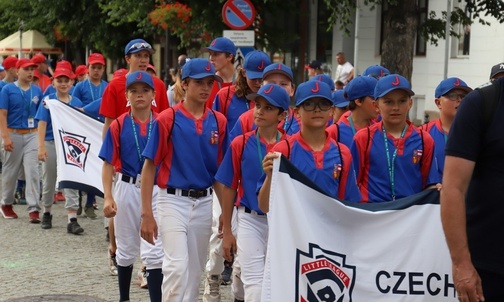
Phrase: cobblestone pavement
(44, 263)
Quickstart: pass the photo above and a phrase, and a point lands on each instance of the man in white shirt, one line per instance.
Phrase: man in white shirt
(344, 71)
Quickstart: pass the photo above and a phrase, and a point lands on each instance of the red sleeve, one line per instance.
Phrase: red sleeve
(332, 132)
(108, 104)
(116, 155)
(161, 96)
(427, 156)
(213, 93)
(222, 121)
(236, 147)
(283, 147)
(165, 123)
(347, 166)
(361, 159)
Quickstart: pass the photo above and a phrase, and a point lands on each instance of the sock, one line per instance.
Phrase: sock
(48, 210)
(90, 200)
(154, 282)
(71, 215)
(124, 278)
(21, 184)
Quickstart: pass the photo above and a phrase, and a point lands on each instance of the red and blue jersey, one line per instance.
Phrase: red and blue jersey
(187, 151)
(241, 167)
(330, 168)
(333, 132)
(215, 88)
(114, 101)
(50, 90)
(123, 144)
(413, 166)
(43, 114)
(347, 130)
(20, 104)
(435, 129)
(229, 104)
(88, 92)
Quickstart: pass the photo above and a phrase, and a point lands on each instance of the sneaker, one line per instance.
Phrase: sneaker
(8, 212)
(34, 217)
(46, 221)
(89, 212)
(17, 197)
(212, 289)
(74, 227)
(22, 200)
(95, 205)
(60, 197)
(226, 274)
(112, 263)
(142, 278)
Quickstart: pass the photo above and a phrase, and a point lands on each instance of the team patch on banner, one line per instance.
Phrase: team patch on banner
(77, 144)
(324, 250)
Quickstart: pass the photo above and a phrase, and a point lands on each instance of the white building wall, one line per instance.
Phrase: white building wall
(486, 50)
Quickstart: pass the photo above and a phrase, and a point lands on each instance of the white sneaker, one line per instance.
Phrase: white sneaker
(112, 264)
(212, 289)
(142, 278)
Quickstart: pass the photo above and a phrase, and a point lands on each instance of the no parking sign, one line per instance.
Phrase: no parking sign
(238, 14)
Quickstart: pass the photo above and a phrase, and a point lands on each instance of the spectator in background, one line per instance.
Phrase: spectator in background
(497, 72)
(344, 71)
(42, 68)
(314, 68)
(81, 73)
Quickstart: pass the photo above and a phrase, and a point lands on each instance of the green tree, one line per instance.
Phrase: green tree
(401, 25)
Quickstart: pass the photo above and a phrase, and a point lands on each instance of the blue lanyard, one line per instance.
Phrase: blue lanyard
(259, 149)
(28, 105)
(350, 120)
(391, 164)
(91, 89)
(140, 157)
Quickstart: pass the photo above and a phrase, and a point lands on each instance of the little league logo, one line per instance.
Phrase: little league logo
(75, 149)
(417, 155)
(323, 276)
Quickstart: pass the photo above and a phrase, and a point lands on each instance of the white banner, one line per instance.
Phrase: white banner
(78, 140)
(321, 249)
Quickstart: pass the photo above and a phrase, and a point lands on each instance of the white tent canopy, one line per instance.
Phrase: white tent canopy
(33, 42)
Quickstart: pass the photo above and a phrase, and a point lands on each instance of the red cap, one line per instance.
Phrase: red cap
(120, 73)
(151, 67)
(64, 64)
(9, 62)
(39, 58)
(63, 72)
(81, 70)
(96, 58)
(36, 74)
(25, 63)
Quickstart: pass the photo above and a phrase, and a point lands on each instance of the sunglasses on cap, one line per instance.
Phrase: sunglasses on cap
(377, 76)
(311, 105)
(140, 45)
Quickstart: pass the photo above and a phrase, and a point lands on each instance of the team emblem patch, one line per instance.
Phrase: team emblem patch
(214, 137)
(337, 171)
(417, 154)
(75, 149)
(323, 276)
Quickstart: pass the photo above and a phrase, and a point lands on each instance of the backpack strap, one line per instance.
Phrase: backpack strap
(225, 103)
(423, 146)
(342, 163)
(288, 148)
(172, 125)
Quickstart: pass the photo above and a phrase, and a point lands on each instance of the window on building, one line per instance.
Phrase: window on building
(420, 42)
(460, 46)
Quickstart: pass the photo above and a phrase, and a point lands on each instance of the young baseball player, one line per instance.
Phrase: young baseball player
(47, 153)
(19, 102)
(360, 93)
(393, 159)
(122, 155)
(186, 146)
(448, 96)
(81, 73)
(325, 161)
(239, 173)
(222, 56)
(375, 71)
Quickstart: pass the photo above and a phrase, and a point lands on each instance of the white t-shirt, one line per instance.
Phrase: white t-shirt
(342, 72)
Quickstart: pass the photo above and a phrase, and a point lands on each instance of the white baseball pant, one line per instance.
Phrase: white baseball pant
(185, 226)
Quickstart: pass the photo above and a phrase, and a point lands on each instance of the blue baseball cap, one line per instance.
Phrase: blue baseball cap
(312, 89)
(222, 45)
(338, 99)
(198, 69)
(274, 94)
(139, 77)
(390, 83)
(255, 62)
(280, 69)
(2, 68)
(137, 45)
(450, 83)
(324, 78)
(376, 71)
(360, 87)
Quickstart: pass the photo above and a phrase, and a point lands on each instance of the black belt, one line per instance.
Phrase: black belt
(128, 179)
(247, 210)
(191, 192)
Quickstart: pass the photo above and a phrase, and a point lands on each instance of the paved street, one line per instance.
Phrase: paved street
(36, 262)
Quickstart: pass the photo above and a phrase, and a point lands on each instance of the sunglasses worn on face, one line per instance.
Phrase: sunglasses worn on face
(140, 45)
(311, 105)
(455, 96)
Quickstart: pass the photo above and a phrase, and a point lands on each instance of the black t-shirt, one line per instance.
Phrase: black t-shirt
(485, 195)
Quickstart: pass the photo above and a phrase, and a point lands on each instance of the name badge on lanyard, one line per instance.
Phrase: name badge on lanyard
(31, 122)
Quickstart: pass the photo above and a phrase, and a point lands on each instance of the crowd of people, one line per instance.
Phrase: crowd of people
(187, 170)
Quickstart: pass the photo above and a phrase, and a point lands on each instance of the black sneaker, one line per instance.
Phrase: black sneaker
(73, 227)
(226, 274)
(46, 221)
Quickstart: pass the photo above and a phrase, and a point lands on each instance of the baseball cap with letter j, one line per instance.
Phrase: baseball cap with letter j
(199, 69)
(274, 94)
(139, 77)
(390, 83)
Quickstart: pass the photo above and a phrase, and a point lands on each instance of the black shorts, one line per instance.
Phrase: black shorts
(492, 283)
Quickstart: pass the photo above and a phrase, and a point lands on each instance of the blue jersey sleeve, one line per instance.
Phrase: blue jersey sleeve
(42, 113)
(4, 99)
